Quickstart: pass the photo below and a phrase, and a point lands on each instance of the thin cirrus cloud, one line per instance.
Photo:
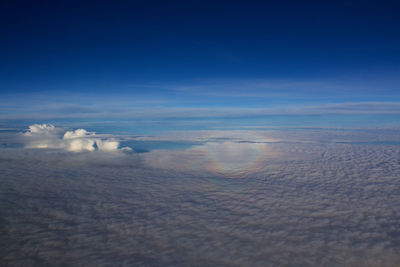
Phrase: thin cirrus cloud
(154, 112)
(226, 98)
(80, 140)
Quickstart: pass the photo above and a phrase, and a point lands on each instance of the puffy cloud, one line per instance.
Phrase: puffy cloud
(77, 134)
(80, 140)
(43, 136)
(107, 145)
(79, 145)
(48, 136)
(41, 128)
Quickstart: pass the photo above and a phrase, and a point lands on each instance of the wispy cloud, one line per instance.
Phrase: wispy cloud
(355, 108)
(316, 88)
(205, 99)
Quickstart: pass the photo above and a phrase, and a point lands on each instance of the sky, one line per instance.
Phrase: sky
(157, 67)
(198, 61)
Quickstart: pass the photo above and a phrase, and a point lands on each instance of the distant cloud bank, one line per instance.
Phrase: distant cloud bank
(80, 140)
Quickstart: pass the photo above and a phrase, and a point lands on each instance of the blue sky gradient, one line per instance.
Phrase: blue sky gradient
(201, 64)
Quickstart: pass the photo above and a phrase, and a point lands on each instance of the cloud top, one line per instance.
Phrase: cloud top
(80, 140)
(40, 128)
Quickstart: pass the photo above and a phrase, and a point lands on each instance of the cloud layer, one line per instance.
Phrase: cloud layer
(48, 136)
(316, 204)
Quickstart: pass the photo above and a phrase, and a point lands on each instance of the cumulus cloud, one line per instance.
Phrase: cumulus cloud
(48, 136)
(43, 136)
(41, 128)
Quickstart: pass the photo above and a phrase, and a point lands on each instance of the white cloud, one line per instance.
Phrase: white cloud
(43, 136)
(107, 145)
(77, 134)
(41, 128)
(80, 140)
(48, 136)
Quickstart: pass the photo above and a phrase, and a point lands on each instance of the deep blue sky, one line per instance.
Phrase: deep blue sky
(76, 56)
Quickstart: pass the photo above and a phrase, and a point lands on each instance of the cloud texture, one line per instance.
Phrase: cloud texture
(319, 203)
